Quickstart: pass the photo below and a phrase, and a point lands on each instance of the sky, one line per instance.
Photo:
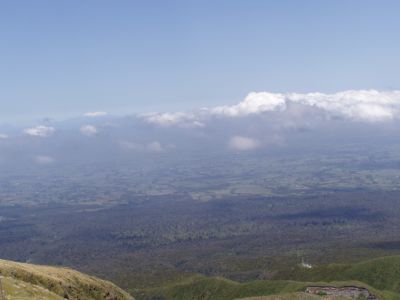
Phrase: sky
(60, 59)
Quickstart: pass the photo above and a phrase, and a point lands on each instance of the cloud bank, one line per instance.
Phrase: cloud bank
(262, 122)
(355, 105)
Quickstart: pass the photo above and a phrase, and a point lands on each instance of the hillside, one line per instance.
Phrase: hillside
(381, 277)
(295, 296)
(382, 273)
(203, 288)
(22, 281)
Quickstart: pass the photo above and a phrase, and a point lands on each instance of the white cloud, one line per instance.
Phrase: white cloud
(44, 160)
(365, 105)
(3, 136)
(181, 119)
(88, 130)
(95, 114)
(130, 146)
(155, 147)
(356, 105)
(253, 103)
(40, 131)
(242, 143)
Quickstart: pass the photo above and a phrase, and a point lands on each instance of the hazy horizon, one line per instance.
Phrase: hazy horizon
(62, 59)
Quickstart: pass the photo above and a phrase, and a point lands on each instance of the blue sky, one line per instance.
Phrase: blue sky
(63, 58)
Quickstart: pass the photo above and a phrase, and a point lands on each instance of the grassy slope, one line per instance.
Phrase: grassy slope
(31, 281)
(203, 288)
(20, 290)
(381, 276)
(381, 273)
(295, 296)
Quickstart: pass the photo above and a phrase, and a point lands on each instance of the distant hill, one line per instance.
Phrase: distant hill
(22, 281)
